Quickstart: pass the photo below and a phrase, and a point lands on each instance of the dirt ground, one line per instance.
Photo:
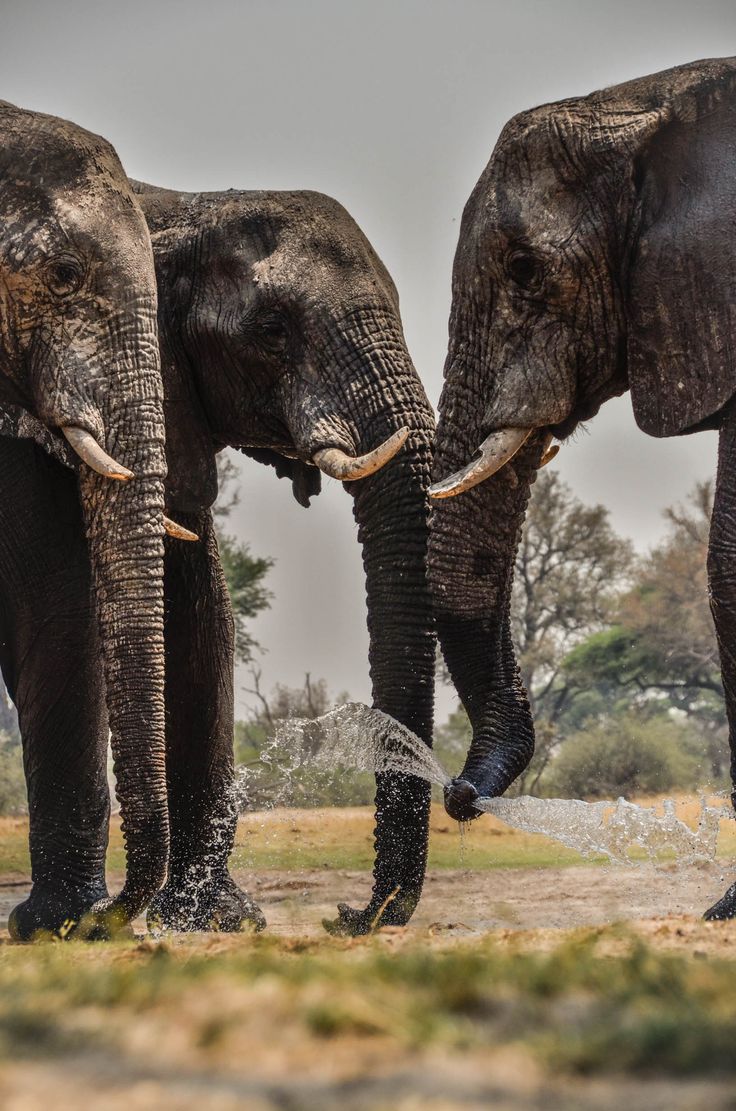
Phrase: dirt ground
(553, 890)
(465, 903)
(151, 1061)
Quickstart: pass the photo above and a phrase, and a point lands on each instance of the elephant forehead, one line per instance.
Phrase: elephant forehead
(311, 268)
(105, 225)
(49, 153)
(534, 209)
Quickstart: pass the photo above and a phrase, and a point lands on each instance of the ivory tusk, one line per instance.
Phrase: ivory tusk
(493, 453)
(347, 468)
(93, 455)
(549, 455)
(178, 531)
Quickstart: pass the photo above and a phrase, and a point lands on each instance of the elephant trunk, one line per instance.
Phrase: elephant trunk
(124, 528)
(391, 510)
(472, 549)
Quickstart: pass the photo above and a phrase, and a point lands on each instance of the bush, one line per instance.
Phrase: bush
(624, 755)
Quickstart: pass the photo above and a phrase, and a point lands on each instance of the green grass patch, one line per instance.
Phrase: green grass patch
(343, 839)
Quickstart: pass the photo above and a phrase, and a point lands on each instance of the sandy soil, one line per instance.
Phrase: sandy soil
(665, 901)
(464, 900)
(527, 907)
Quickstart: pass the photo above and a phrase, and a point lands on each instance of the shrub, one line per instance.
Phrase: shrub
(625, 755)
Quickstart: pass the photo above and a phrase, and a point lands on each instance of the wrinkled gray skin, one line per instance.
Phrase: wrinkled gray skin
(280, 335)
(78, 347)
(597, 253)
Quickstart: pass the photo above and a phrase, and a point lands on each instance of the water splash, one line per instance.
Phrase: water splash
(357, 737)
(612, 829)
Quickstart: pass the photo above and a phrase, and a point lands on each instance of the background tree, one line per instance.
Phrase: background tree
(269, 779)
(245, 574)
(570, 569)
(662, 647)
(624, 755)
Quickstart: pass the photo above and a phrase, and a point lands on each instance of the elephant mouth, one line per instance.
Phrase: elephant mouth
(335, 462)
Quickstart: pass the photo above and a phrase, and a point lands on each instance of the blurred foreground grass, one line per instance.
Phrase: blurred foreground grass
(342, 838)
(602, 1001)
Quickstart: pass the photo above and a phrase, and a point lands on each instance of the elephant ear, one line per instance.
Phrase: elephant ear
(681, 310)
(18, 424)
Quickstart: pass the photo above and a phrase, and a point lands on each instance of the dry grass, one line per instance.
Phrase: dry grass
(299, 1016)
(342, 838)
(441, 1016)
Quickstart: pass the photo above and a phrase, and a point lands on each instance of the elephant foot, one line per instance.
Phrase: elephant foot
(60, 915)
(194, 905)
(724, 909)
(393, 911)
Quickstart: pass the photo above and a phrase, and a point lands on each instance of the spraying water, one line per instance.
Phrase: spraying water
(354, 736)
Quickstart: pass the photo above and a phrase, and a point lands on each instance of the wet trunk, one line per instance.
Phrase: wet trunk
(391, 509)
(472, 549)
(392, 517)
(125, 537)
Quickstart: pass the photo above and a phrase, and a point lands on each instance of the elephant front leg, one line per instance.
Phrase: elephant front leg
(722, 587)
(49, 653)
(200, 893)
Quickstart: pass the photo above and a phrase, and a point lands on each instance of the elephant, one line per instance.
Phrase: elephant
(596, 255)
(280, 336)
(79, 352)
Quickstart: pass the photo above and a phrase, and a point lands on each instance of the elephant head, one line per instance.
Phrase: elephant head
(281, 336)
(596, 254)
(79, 350)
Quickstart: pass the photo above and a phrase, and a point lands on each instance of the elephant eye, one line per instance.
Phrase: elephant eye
(524, 269)
(64, 275)
(274, 334)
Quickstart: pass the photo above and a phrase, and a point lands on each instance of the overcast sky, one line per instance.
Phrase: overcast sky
(393, 107)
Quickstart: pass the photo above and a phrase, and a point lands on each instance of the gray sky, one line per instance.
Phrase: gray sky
(393, 107)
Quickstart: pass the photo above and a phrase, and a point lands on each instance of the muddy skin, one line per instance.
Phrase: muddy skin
(558, 305)
(79, 350)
